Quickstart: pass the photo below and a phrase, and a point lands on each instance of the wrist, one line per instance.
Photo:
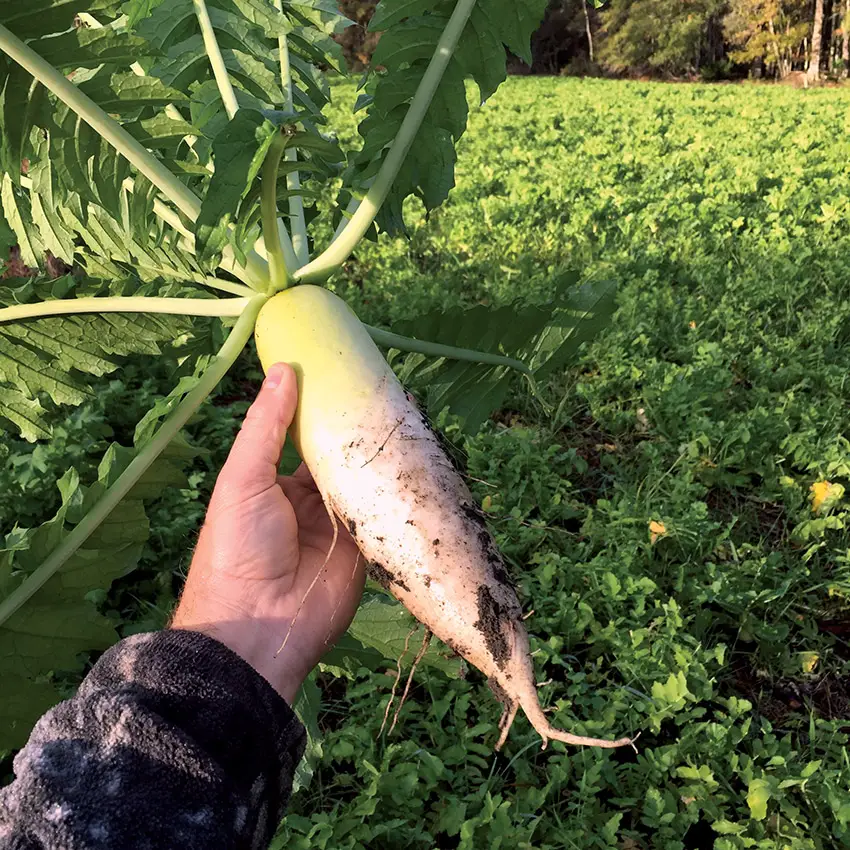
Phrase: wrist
(250, 641)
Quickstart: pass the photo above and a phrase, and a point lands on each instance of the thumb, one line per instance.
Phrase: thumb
(251, 466)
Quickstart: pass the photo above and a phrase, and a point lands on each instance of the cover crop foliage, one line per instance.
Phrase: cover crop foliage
(711, 406)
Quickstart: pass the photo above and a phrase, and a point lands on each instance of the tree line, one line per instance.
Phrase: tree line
(696, 39)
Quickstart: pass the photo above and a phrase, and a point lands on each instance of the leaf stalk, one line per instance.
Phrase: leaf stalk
(281, 259)
(297, 221)
(126, 304)
(450, 352)
(340, 249)
(219, 69)
(148, 454)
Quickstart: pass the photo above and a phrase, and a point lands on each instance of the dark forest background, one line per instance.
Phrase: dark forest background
(802, 41)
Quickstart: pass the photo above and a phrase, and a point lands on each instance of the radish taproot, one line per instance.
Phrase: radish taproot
(382, 471)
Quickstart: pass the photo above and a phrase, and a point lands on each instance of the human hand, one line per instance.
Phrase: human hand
(264, 541)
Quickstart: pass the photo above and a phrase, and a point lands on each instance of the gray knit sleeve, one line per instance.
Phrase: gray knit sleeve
(172, 741)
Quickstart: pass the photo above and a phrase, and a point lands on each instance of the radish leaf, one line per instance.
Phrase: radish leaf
(543, 337)
(411, 30)
(53, 355)
(239, 153)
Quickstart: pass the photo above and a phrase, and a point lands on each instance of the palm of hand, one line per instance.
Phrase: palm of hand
(270, 578)
(254, 579)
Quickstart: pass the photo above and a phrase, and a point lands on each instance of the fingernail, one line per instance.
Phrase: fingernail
(275, 376)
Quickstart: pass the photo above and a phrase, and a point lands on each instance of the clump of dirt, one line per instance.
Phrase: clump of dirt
(384, 577)
(489, 623)
(479, 528)
(14, 266)
(498, 691)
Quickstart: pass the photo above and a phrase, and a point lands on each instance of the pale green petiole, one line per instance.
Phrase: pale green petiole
(281, 255)
(436, 349)
(126, 304)
(297, 222)
(340, 249)
(222, 78)
(226, 286)
(217, 369)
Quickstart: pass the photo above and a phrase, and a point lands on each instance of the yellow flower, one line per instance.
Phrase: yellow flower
(692, 325)
(820, 493)
(808, 661)
(656, 530)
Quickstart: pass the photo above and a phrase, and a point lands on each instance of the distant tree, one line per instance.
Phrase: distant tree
(845, 41)
(772, 32)
(658, 35)
(813, 72)
(565, 39)
(589, 29)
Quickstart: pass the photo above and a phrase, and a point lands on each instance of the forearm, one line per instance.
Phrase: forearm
(172, 740)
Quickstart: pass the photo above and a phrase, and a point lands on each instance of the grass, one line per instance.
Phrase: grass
(709, 408)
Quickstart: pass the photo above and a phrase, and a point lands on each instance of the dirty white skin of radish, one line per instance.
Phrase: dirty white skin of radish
(381, 469)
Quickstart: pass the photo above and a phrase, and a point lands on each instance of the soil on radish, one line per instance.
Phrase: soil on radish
(478, 526)
(491, 618)
(384, 577)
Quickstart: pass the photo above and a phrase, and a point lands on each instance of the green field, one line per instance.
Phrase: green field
(656, 506)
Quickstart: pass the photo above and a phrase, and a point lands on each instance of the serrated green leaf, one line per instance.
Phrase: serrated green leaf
(389, 13)
(84, 163)
(124, 92)
(411, 32)
(83, 47)
(759, 793)
(54, 234)
(481, 55)
(34, 18)
(260, 77)
(239, 152)
(53, 355)
(138, 10)
(57, 624)
(348, 655)
(545, 338)
(22, 101)
(161, 132)
(18, 213)
(317, 47)
(324, 14)
(307, 705)
(166, 24)
(26, 414)
(413, 40)
(448, 110)
(262, 13)
(514, 23)
(164, 406)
